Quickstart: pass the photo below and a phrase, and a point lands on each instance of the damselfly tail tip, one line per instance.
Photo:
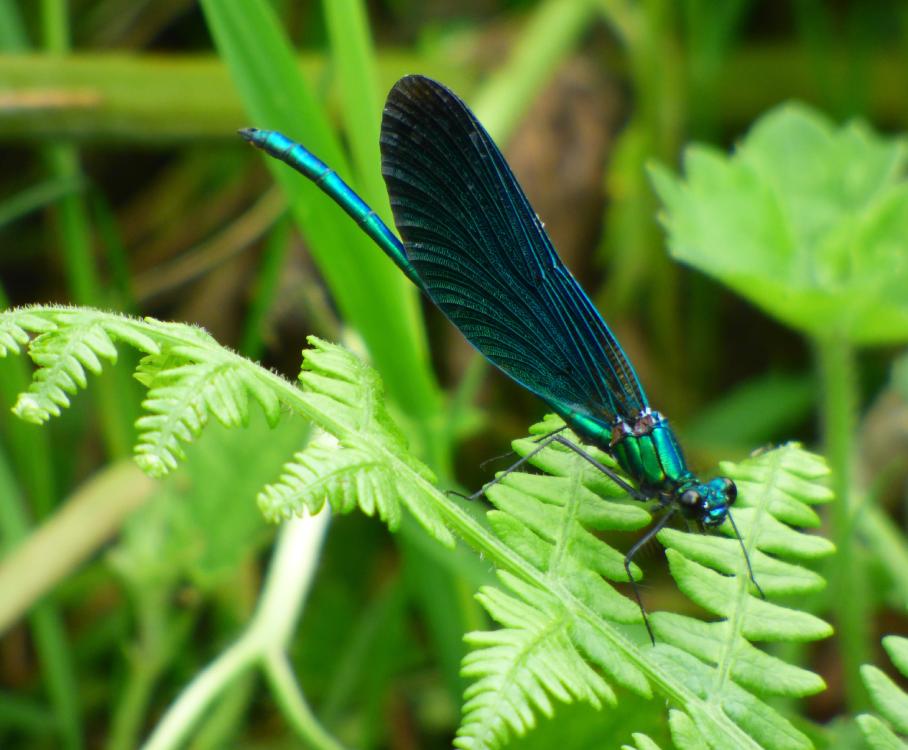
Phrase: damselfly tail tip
(248, 134)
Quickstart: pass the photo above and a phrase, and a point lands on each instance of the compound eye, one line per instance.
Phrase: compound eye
(731, 490)
(690, 498)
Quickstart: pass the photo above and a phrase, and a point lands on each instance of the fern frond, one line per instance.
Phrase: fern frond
(522, 666)
(568, 633)
(889, 700)
(16, 330)
(182, 397)
(368, 467)
(341, 476)
(191, 379)
(189, 375)
(69, 342)
(641, 742)
(549, 522)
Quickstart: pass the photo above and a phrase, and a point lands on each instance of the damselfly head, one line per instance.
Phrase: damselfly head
(708, 502)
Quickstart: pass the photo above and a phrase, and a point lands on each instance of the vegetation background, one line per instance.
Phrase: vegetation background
(124, 187)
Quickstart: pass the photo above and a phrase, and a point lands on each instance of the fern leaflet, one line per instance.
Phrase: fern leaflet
(180, 399)
(712, 667)
(641, 742)
(521, 666)
(189, 375)
(369, 466)
(888, 699)
(69, 342)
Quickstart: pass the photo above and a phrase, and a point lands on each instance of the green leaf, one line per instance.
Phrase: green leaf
(568, 633)
(641, 742)
(761, 723)
(324, 471)
(191, 379)
(888, 699)
(749, 665)
(774, 488)
(69, 342)
(16, 329)
(549, 522)
(180, 400)
(522, 666)
(805, 219)
(878, 735)
(897, 648)
(363, 467)
(684, 731)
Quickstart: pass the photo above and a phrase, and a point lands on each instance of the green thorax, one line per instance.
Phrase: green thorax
(647, 449)
(649, 452)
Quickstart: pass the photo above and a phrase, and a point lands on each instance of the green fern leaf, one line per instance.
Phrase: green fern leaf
(180, 400)
(191, 379)
(17, 326)
(641, 742)
(522, 666)
(748, 664)
(69, 342)
(685, 734)
(888, 699)
(568, 634)
(341, 476)
(62, 357)
(549, 522)
(369, 466)
(878, 735)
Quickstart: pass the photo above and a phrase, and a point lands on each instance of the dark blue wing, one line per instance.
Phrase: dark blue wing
(486, 261)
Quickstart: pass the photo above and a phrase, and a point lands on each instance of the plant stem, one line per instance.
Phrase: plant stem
(293, 703)
(94, 513)
(162, 632)
(836, 362)
(264, 640)
(180, 718)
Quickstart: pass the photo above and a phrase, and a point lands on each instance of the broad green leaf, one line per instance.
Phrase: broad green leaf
(805, 219)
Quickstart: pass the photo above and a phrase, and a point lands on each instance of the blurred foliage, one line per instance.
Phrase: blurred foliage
(824, 213)
(123, 187)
